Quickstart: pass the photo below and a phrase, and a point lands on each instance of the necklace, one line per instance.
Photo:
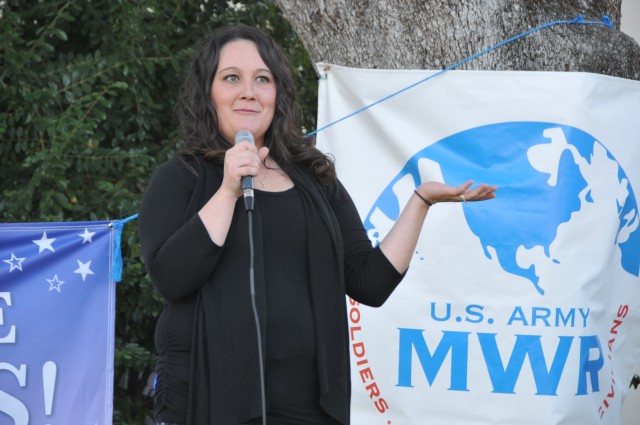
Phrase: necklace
(277, 181)
(264, 176)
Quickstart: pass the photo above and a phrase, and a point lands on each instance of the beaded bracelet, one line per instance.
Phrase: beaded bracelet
(426, 200)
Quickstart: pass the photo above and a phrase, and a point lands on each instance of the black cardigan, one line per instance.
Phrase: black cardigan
(183, 262)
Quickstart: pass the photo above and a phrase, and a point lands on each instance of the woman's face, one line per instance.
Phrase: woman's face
(243, 91)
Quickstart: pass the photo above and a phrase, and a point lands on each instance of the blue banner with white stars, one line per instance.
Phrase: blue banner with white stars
(57, 310)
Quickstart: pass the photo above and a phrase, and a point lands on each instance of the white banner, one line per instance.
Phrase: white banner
(524, 309)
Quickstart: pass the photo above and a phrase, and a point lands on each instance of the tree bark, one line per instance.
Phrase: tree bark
(435, 34)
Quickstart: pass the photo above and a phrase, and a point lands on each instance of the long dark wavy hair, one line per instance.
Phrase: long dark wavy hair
(199, 120)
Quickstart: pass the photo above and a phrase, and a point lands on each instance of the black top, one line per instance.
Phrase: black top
(205, 336)
(291, 367)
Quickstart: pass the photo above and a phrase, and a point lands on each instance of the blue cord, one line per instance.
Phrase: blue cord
(117, 226)
(579, 20)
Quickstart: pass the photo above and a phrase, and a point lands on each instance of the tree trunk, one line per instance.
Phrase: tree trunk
(434, 34)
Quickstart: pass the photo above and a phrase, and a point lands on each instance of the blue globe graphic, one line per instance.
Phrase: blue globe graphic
(545, 174)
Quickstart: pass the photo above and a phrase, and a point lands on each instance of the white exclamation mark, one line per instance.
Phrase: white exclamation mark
(49, 372)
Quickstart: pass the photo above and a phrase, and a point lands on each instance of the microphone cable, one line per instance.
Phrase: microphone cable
(252, 288)
(247, 191)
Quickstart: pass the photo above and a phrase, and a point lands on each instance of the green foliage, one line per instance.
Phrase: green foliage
(87, 90)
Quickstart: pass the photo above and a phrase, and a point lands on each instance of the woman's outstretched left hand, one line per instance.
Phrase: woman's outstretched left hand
(439, 192)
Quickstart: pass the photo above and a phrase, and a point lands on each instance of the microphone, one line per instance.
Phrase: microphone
(247, 181)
